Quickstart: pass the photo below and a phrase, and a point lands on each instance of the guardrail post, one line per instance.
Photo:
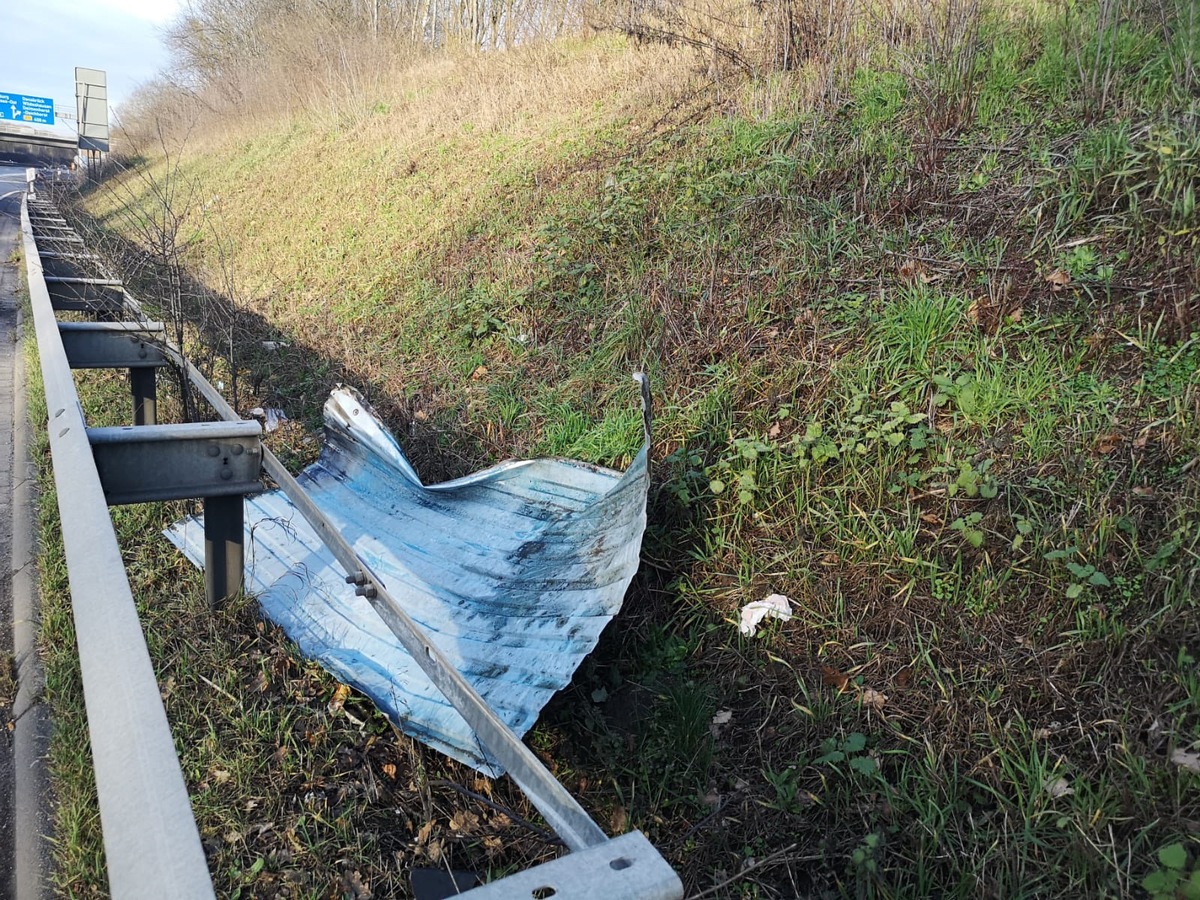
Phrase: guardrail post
(142, 385)
(224, 550)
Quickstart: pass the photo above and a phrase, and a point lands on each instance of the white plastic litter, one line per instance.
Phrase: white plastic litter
(775, 606)
(275, 418)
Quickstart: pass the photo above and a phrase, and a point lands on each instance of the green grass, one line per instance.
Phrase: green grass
(941, 389)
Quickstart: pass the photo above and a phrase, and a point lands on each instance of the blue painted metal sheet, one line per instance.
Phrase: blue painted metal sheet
(513, 571)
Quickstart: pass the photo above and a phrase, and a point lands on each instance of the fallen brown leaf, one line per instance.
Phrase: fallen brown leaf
(339, 699)
(874, 699)
(833, 678)
(619, 820)
(1058, 280)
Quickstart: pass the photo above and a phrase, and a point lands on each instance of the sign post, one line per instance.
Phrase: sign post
(23, 108)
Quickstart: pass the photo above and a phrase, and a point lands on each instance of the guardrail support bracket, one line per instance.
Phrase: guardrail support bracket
(120, 345)
(218, 462)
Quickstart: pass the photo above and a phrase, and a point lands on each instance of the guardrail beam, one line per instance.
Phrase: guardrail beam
(112, 345)
(102, 299)
(143, 464)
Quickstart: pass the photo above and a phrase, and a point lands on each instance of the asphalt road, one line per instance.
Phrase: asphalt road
(11, 187)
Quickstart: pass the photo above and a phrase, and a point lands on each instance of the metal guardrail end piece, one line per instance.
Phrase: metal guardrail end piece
(627, 866)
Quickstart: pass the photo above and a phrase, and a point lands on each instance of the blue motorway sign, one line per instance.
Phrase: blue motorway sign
(21, 108)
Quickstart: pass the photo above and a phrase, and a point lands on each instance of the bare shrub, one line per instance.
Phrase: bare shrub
(941, 60)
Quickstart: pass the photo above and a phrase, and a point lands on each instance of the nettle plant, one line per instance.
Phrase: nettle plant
(891, 427)
(1083, 575)
(857, 434)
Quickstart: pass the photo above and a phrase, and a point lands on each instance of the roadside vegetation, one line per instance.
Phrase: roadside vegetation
(920, 303)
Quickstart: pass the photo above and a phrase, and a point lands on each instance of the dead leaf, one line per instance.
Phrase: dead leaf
(833, 678)
(973, 312)
(464, 821)
(424, 833)
(719, 721)
(1185, 760)
(434, 850)
(1107, 443)
(618, 821)
(339, 699)
(354, 886)
(1058, 787)
(1058, 280)
(874, 699)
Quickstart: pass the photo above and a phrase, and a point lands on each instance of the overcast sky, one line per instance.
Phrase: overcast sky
(42, 41)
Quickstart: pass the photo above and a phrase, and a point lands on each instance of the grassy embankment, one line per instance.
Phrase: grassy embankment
(927, 366)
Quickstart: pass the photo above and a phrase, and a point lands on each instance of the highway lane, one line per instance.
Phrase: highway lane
(12, 185)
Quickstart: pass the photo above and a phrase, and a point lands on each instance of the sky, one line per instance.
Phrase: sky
(42, 41)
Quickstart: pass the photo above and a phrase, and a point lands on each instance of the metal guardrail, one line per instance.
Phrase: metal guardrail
(151, 842)
(627, 866)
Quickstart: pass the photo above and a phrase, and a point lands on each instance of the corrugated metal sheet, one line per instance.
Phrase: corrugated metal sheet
(513, 572)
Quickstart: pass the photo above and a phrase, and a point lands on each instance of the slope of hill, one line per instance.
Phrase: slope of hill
(925, 342)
